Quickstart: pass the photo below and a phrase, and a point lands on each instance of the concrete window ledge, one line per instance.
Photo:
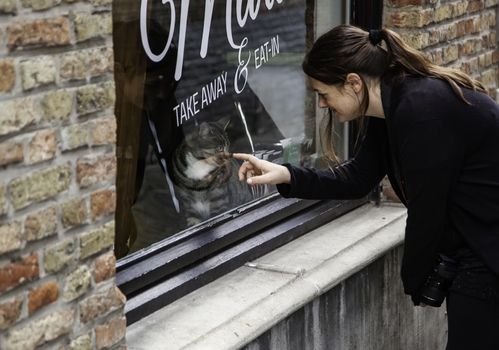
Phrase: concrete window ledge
(238, 307)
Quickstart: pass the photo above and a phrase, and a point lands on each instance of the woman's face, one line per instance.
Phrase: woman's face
(343, 100)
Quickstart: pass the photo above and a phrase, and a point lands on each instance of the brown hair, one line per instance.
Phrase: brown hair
(347, 49)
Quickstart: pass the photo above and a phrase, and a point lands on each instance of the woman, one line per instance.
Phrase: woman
(435, 132)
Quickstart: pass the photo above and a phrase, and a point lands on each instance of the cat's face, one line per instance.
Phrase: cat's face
(209, 141)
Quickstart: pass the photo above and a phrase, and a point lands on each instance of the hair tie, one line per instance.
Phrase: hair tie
(375, 36)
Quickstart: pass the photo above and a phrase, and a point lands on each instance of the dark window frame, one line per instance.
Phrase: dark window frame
(167, 270)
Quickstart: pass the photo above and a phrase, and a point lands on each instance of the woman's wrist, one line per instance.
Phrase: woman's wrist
(286, 175)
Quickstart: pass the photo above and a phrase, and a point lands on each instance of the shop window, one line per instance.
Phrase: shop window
(196, 81)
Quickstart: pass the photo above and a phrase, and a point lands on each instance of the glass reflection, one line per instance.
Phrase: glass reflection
(251, 99)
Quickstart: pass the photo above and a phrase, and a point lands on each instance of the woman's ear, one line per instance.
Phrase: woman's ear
(354, 80)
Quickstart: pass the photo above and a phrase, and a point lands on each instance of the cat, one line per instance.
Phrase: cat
(205, 175)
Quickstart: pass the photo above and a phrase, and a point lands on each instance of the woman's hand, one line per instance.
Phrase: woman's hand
(257, 171)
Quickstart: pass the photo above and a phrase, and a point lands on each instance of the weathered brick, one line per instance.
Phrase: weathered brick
(450, 53)
(59, 256)
(412, 18)
(461, 28)
(39, 5)
(8, 6)
(83, 342)
(482, 63)
(37, 72)
(8, 74)
(57, 105)
(76, 284)
(89, 26)
(10, 311)
(74, 136)
(92, 170)
(39, 32)
(491, 19)
(102, 203)
(104, 267)
(442, 13)
(11, 152)
(436, 57)
(74, 65)
(40, 224)
(101, 304)
(475, 5)
(96, 97)
(96, 240)
(110, 333)
(459, 8)
(103, 131)
(19, 271)
(40, 185)
(447, 32)
(42, 295)
(40, 331)
(10, 237)
(43, 146)
(489, 77)
(100, 61)
(16, 115)
(416, 40)
(74, 213)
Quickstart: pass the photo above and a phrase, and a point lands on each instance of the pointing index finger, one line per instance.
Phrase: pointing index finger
(245, 156)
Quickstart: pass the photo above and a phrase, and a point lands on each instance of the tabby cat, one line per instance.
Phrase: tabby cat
(205, 176)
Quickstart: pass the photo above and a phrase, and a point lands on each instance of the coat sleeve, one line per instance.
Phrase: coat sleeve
(352, 179)
(430, 159)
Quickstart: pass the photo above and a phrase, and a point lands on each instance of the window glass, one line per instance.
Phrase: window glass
(195, 81)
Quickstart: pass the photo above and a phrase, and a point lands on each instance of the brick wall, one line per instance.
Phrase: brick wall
(57, 176)
(459, 34)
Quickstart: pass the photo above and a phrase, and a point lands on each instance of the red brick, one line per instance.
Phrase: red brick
(43, 295)
(495, 56)
(93, 170)
(110, 333)
(18, 272)
(11, 152)
(39, 32)
(461, 28)
(412, 18)
(10, 312)
(470, 26)
(103, 203)
(475, 5)
(104, 267)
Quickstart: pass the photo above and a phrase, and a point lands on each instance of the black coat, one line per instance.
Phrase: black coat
(442, 158)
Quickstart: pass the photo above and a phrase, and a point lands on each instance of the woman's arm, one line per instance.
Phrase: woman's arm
(352, 179)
